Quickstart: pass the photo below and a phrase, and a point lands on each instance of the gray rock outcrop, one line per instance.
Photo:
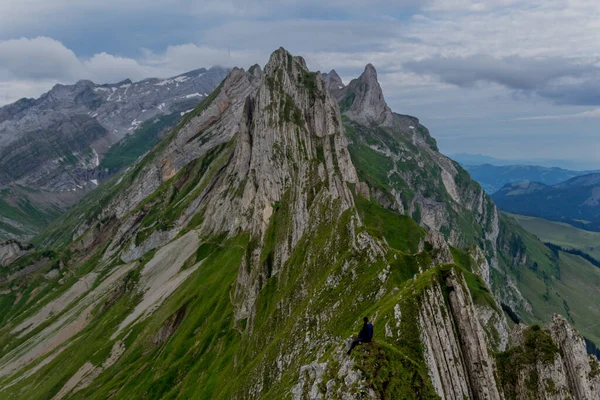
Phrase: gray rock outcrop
(549, 363)
(362, 100)
(11, 250)
(456, 350)
(334, 82)
(582, 370)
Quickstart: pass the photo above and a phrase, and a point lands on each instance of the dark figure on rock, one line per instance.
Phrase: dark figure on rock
(365, 335)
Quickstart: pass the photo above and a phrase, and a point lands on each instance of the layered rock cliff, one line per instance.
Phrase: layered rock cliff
(237, 257)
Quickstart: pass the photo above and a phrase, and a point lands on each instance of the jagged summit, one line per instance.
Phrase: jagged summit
(282, 58)
(84, 83)
(363, 100)
(333, 81)
(125, 81)
(369, 72)
(255, 70)
(196, 72)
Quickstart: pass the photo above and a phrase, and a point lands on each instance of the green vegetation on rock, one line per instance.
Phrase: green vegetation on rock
(537, 348)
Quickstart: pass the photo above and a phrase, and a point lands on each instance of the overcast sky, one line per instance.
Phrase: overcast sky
(504, 78)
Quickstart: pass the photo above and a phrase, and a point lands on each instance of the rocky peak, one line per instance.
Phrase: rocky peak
(370, 73)
(282, 58)
(549, 363)
(84, 83)
(124, 82)
(290, 154)
(198, 71)
(363, 101)
(255, 70)
(333, 81)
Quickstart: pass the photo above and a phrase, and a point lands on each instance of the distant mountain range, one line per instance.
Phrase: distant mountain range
(576, 201)
(479, 159)
(493, 177)
(58, 147)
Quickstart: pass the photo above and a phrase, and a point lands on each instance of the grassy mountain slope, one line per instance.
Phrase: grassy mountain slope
(404, 172)
(24, 212)
(561, 234)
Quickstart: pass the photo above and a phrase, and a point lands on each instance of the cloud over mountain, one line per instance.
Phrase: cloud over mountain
(562, 80)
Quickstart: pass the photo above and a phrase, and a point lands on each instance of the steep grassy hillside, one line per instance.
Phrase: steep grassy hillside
(561, 234)
(25, 212)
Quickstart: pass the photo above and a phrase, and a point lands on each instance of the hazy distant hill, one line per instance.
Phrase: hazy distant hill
(576, 201)
(493, 177)
(479, 159)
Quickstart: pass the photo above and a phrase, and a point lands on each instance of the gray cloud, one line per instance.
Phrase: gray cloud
(582, 92)
(562, 80)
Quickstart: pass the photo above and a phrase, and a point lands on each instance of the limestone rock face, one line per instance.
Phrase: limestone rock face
(217, 123)
(364, 99)
(279, 137)
(291, 149)
(439, 248)
(417, 166)
(483, 266)
(480, 365)
(289, 120)
(549, 363)
(456, 350)
(442, 348)
(334, 83)
(582, 370)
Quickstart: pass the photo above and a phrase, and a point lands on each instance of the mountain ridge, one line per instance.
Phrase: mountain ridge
(52, 148)
(249, 240)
